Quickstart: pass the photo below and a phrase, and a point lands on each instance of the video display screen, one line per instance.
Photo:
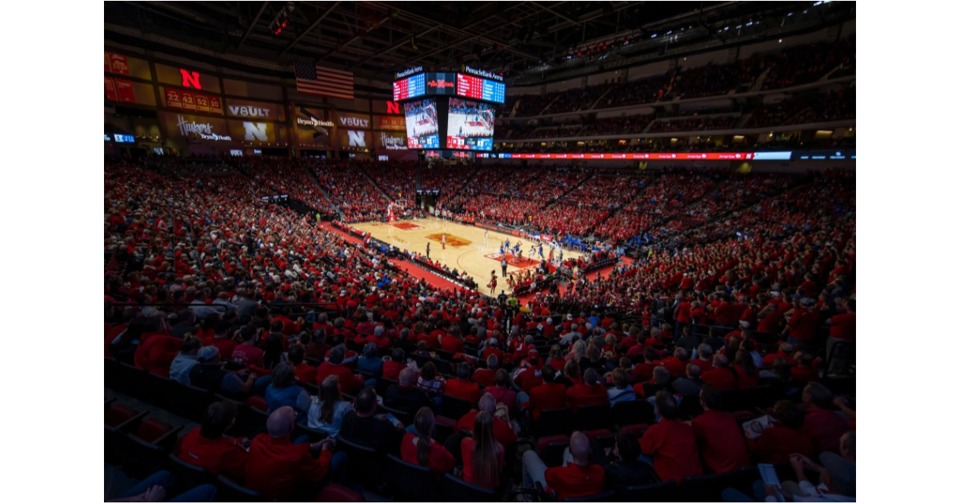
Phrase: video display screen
(441, 83)
(423, 129)
(470, 125)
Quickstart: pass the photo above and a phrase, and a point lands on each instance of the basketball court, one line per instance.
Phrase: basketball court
(466, 249)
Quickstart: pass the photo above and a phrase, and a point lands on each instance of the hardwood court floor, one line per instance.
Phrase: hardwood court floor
(466, 249)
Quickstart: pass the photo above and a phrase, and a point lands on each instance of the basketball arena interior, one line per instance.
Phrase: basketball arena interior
(480, 251)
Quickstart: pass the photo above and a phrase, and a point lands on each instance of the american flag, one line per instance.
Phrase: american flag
(312, 79)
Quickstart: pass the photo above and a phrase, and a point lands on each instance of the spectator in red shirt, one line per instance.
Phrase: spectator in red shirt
(247, 353)
(671, 443)
(676, 363)
(748, 376)
(419, 447)
(502, 391)
(704, 357)
(550, 395)
(644, 370)
(661, 381)
(802, 322)
(720, 376)
(843, 328)
(804, 371)
(502, 430)
(784, 352)
(207, 446)
(461, 387)
(155, 353)
(577, 478)
(486, 376)
(589, 393)
(483, 455)
(349, 382)
(775, 444)
(822, 424)
(452, 342)
(397, 363)
(281, 470)
(305, 372)
(719, 435)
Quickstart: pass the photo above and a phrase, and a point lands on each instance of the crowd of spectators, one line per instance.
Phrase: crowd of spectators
(800, 65)
(210, 285)
(694, 124)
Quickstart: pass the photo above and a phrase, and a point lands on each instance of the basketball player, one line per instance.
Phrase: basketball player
(443, 241)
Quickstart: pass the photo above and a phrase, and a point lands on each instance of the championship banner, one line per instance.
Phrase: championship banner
(125, 91)
(195, 128)
(115, 63)
(110, 88)
(391, 123)
(182, 99)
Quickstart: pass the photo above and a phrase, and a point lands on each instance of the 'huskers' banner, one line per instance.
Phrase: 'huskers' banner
(196, 128)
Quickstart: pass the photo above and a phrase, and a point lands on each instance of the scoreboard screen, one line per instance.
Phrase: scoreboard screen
(479, 88)
(411, 87)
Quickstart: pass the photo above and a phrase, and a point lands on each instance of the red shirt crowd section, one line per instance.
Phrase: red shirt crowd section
(200, 235)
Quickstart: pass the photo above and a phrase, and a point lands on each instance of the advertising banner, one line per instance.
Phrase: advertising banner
(312, 128)
(391, 141)
(253, 131)
(354, 139)
(353, 121)
(250, 109)
(195, 128)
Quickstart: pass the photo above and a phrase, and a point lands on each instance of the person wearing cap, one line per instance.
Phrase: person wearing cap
(210, 375)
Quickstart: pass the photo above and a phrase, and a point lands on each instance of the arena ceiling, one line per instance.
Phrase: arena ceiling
(374, 39)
